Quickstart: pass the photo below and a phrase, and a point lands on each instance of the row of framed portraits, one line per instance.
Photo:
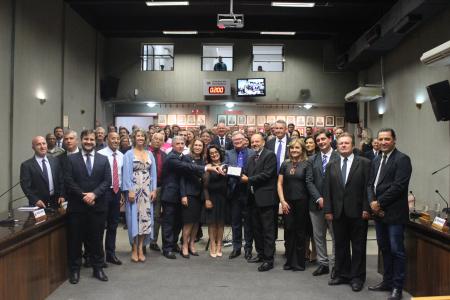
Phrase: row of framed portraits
(182, 120)
(301, 121)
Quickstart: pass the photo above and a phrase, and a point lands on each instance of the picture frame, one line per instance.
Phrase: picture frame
(300, 121)
(320, 122)
(231, 120)
(201, 120)
(283, 118)
(329, 121)
(301, 130)
(290, 120)
(340, 122)
(260, 120)
(310, 121)
(181, 120)
(171, 119)
(162, 119)
(251, 120)
(221, 119)
(190, 120)
(271, 119)
(241, 119)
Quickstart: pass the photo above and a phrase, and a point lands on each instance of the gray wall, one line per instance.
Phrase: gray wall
(426, 141)
(304, 69)
(54, 52)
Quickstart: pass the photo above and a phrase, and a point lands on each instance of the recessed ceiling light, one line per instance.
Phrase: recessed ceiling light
(151, 104)
(167, 3)
(278, 32)
(229, 105)
(307, 106)
(180, 32)
(294, 4)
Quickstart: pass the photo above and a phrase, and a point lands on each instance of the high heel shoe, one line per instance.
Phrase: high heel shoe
(183, 255)
(219, 251)
(212, 254)
(193, 253)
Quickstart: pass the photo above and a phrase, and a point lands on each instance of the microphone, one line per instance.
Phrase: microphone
(414, 214)
(446, 210)
(440, 169)
(10, 220)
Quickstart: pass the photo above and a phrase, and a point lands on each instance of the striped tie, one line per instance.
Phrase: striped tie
(324, 164)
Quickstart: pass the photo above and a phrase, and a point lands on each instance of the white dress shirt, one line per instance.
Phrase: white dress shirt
(49, 172)
(108, 152)
(92, 153)
(379, 168)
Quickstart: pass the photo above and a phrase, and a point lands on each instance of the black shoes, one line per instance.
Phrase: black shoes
(396, 294)
(265, 267)
(333, 273)
(321, 270)
(100, 275)
(184, 256)
(255, 259)
(287, 267)
(381, 287)
(193, 253)
(235, 253)
(74, 277)
(337, 281)
(248, 254)
(112, 259)
(298, 268)
(356, 286)
(169, 255)
(155, 247)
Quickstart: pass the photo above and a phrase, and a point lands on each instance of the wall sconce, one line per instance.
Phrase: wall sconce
(418, 105)
(41, 97)
(419, 101)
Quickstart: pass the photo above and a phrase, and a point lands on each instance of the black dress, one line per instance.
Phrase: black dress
(192, 187)
(215, 189)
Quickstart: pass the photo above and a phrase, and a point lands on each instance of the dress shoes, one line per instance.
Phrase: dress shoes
(321, 270)
(248, 254)
(255, 259)
(396, 294)
(100, 275)
(298, 268)
(333, 273)
(74, 277)
(193, 253)
(169, 255)
(337, 281)
(235, 253)
(287, 267)
(265, 267)
(184, 256)
(155, 247)
(356, 286)
(381, 287)
(112, 259)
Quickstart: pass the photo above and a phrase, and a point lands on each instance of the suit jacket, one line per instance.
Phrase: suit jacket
(228, 142)
(392, 187)
(315, 177)
(349, 200)
(231, 157)
(270, 145)
(370, 155)
(175, 167)
(33, 184)
(191, 185)
(78, 181)
(262, 178)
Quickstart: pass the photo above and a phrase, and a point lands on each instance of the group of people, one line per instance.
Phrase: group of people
(177, 179)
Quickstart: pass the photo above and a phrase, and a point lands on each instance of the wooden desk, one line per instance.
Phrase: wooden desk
(33, 257)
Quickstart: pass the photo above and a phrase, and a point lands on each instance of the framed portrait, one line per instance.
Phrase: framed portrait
(320, 121)
(171, 119)
(190, 120)
(300, 121)
(241, 119)
(271, 119)
(231, 120)
(310, 121)
(251, 120)
(281, 118)
(290, 120)
(162, 119)
(340, 122)
(201, 120)
(260, 120)
(181, 119)
(329, 121)
(222, 119)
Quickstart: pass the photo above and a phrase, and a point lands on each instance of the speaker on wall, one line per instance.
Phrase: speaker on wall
(439, 94)
(108, 87)
(351, 112)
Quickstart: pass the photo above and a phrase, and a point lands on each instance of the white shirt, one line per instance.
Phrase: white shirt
(49, 172)
(328, 155)
(92, 157)
(75, 151)
(349, 164)
(108, 152)
(283, 148)
(379, 168)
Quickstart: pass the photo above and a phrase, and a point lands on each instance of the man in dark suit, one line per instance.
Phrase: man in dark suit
(315, 175)
(238, 157)
(278, 145)
(345, 204)
(58, 131)
(174, 167)
(337, 131)
(388, 196)
(41, 177)
(261, 179)
(220, 139)
(87, 180)
(374, 152)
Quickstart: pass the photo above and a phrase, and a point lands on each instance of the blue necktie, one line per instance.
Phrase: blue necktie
(280, 147)
(324, 164)
(240, 159)
(88, 164)
(344, 171)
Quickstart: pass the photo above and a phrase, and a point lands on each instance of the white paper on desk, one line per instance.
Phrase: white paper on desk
(234, 171)
(28, 208)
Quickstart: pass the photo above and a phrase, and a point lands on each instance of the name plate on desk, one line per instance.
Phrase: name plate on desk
(39, 215)
(438, 223)
(234, 171)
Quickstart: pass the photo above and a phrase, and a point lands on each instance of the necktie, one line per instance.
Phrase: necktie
(256, 157)
(324, 164)
(279, 149)
(344, 171)
(240, 159)
(383, 164)
(88, 164)
(45, 172)
(115, 174)
(221, 142)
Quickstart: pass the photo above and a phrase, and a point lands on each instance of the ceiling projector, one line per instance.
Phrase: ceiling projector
(230, 21)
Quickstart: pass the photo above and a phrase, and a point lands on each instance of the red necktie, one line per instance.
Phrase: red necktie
(115, 175)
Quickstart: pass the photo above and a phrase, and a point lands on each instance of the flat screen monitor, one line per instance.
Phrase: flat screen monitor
(251, 87)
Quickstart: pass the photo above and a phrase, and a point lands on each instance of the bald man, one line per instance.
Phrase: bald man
(41, 177)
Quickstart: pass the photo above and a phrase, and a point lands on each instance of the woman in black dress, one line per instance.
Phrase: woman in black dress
(191, 188)
(294, 203)
(215, 190)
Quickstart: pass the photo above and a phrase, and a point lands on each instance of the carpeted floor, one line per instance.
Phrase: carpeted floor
(204, 277)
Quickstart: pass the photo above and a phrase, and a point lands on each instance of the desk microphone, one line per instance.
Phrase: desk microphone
(414, 214)
(437, 171)
(10, 220)
(446, 210)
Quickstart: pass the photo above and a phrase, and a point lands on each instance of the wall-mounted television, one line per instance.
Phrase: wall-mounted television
(251, 87)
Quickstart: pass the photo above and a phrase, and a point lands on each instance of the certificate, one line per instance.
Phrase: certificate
(234, 171)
